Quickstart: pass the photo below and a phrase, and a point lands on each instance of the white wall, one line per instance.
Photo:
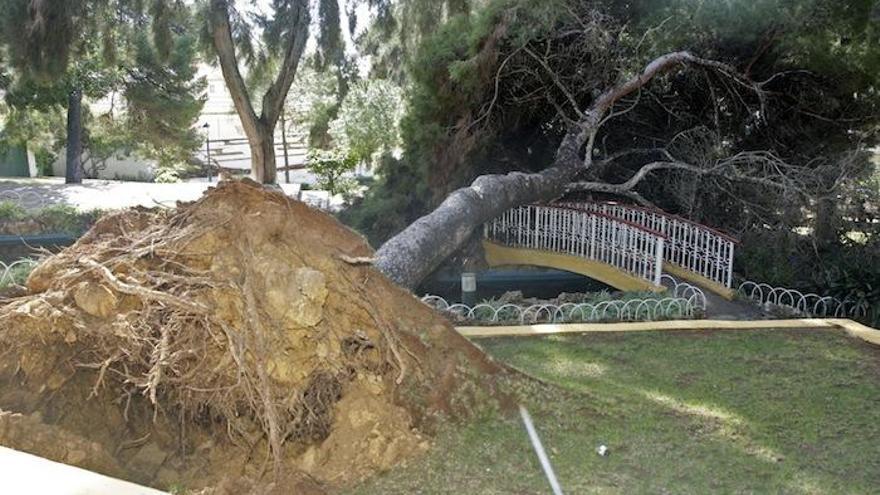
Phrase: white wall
(120, 167)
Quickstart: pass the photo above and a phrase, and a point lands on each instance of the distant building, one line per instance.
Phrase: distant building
(229, 147)
(220, 125)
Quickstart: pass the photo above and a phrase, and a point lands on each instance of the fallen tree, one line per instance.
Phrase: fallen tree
(551, 95)
(532, 101)
(420, 248)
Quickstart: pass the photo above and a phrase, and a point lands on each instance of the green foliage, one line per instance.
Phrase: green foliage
(331, 48)
(834, 38)
(53, 219)
(331, 167)
(446, 142)
(396, 198)
(165, 100)
(65, 219)
(853, 274)
(848, 271)
(314, 102)
(167, 175)
(368, 120)
(106, 49)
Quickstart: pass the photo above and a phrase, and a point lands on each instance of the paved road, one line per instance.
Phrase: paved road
(102, 194)
(22, 473)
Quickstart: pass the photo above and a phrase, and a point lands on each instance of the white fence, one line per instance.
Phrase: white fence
(29, 200)
(692, 246)
(807, 304)
(647, 309)
(629, 247)
(7, 272)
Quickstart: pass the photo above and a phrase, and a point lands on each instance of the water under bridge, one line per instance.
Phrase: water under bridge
(627, 247)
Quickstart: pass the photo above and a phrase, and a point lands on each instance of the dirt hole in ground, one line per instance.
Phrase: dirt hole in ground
(234, 344)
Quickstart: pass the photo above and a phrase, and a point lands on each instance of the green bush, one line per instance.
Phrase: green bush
(10, 211)
(54, 219)
(65, 219)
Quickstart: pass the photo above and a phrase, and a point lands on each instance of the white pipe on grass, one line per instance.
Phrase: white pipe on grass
(539, 449)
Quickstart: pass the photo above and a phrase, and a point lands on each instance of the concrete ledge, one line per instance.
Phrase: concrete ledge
(855, 329)
(22, 473)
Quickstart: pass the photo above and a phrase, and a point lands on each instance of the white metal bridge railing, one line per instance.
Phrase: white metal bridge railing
(631, 248)
(690, 245)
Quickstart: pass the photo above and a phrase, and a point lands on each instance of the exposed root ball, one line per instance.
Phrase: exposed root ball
(241, 314)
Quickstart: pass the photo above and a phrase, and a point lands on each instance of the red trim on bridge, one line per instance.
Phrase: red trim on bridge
(658, 211)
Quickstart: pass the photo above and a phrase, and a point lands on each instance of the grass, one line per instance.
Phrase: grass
(736, 412)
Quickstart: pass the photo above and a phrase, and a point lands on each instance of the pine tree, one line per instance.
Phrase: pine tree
(63, 50)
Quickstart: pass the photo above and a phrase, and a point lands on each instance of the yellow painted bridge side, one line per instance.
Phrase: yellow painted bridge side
(499, 255)
(698, 280)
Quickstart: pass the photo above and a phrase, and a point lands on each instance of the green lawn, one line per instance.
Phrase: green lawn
(721, 412)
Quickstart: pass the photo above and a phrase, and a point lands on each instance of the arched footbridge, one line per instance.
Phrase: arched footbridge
(626, 247)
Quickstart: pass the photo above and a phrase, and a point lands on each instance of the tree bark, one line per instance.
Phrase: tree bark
(73, 171)
(411, 255)
(259, 129)
(414, 253)
(263, 153)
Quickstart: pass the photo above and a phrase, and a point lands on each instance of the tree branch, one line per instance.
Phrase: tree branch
(273, 100)
(776, 178)
(221, 37)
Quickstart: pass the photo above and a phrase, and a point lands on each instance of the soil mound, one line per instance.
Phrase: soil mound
(243, 337)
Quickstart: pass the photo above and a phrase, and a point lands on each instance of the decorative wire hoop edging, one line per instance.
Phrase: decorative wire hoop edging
(26, 199)
(6, 270)
(614, 310)
(809, 304)
(685, 290)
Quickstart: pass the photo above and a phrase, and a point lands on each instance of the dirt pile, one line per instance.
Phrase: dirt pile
(242, 337)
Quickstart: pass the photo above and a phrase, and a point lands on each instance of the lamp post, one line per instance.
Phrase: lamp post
(207, 128)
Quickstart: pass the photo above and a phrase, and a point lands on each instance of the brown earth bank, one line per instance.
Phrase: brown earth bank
(240, 343)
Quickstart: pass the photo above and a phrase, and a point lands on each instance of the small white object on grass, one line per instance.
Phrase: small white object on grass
(602, 450)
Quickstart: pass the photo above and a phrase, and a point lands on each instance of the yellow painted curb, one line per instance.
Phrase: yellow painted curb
(856, 329)
(498, 255)
(866, 333)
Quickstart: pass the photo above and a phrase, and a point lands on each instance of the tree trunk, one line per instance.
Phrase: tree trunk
(259, 128)
(74, 173)
(411, 255)
(263, 166)
(826, 222)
